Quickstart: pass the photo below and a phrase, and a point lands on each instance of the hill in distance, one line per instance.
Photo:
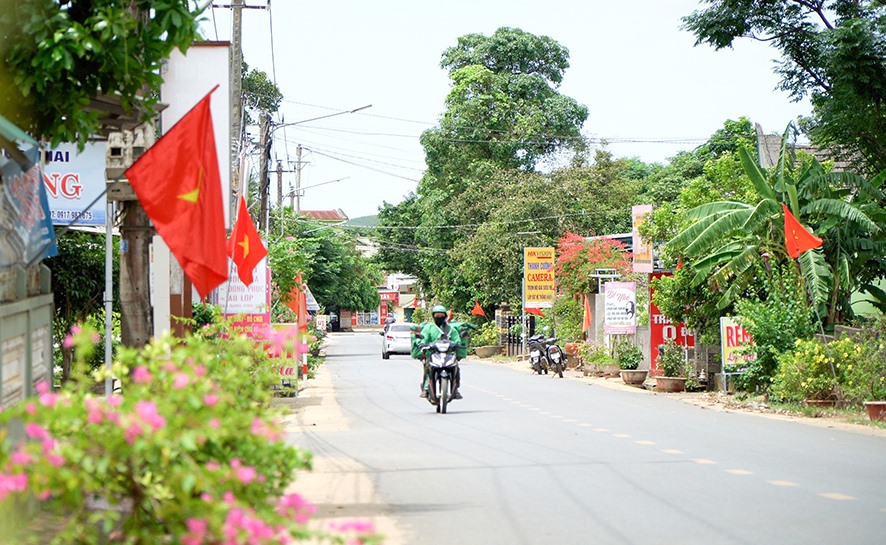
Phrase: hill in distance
(363, 221)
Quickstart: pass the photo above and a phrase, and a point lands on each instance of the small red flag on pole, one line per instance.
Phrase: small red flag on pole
(796, 238)
(536, 311)
(245, 245)
(587, 316)
(477, 310)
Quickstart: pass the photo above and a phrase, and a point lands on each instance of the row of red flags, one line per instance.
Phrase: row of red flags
(178, 184)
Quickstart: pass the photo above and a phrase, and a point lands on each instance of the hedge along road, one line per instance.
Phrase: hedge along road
(529, 459)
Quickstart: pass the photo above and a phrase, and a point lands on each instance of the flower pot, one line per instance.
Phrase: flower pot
(572, 361)
(487, 351)
(876, 409)
(670, 384)
(571, 349)
(819, 403)
(610, 369)
(634, 377)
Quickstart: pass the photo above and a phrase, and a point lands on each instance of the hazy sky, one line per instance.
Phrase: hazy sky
(648, 90)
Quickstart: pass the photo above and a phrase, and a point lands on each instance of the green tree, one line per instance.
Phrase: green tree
(831, 51)
(78, 284)
(338, 276)
(260, 94)
(56, 57)
(726, 239)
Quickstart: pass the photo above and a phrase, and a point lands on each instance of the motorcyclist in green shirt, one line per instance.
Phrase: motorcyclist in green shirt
(432, 331)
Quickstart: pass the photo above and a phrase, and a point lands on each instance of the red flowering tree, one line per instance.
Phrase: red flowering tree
(579, 257)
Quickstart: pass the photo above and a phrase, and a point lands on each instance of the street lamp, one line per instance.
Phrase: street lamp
(355, 110)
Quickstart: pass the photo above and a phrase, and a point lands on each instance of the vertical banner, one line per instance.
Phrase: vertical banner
(642, 248)
(538, 278)
(249, 306)
(662, 329)
(620, 308)
(733, 338)
(26, 233)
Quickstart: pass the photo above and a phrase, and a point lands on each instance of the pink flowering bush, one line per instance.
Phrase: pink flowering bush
(187, 452)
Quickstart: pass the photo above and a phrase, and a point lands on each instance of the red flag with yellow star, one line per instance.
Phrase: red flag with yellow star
(796, 238)
(245, 245)
(177, 182)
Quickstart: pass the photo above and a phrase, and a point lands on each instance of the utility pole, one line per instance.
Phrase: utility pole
(279, 185)
(263, 184)
(297, 193)
(236, 101)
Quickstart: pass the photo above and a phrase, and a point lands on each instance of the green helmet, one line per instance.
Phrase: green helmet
(439, 308)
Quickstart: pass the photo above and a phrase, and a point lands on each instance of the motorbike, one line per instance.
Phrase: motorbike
(441, 365)
(537, 354)
(555, 356)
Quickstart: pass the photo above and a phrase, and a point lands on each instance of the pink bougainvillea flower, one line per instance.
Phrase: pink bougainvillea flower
(55, 459)
(12, 483)
(210, 400)
(42, 387)
(21, 457)
(147, 411)
(31, 409)
(206, 497)
(358, 526)
(246, 474)
(68, 342)
(44, 495)
(263, 429)
(196, 532)
(214, 423)
(229, 497)
(141, 375)
(181, 380)
(235, 463)
(132, 433)
(76, 329)
(95, 337)
(36, 431)
(169, 366)
(296, 506)
(213, 466)
(200, 370)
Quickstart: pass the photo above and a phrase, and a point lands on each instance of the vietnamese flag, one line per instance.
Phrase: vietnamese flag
(536, 311)
(177, 182)
(245, 246)
(477, 310)
(796, 238)
(587, 316)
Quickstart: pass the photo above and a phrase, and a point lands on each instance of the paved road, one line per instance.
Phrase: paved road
(525, 459)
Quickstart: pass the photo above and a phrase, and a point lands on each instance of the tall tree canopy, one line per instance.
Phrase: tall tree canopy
(503, 117)
(832, 51)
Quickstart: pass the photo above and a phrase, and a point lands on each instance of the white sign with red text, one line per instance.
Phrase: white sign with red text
(73, 180)
(621, 308)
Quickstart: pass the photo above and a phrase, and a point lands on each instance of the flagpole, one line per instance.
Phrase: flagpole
(109, 294)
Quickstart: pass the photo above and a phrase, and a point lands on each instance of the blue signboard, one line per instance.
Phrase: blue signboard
(26, 232)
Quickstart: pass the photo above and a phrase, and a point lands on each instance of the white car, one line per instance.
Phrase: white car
(397, 339)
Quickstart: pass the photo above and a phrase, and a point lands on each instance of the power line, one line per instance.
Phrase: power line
(471, 225)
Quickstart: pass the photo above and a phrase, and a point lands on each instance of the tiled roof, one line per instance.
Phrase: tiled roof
(325, 215)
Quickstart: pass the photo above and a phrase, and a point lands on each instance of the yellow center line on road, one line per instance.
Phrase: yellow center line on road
(783, 483)
(601, 430)
(570, 421)
(672, 451)
(836, 496)
(586, 425)
(739, 472)
(644, 442)
(621, 435)
(703, 461)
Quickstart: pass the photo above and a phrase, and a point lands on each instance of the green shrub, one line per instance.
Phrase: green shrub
(627, 354)
(190, 452)
(486, 335)
(592, 353)
(806, 372)
(672, 360)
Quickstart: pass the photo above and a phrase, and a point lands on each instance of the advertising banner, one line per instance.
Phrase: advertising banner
(539, 284)
(642, 249)
(662, 329)
(26, 233)
(73, 180)
(620, 316)
(249, 306)
(734, 338)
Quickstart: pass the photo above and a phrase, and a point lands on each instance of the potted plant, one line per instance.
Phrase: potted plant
(629, 355)
(672, 366)
(596, 359)
(485, 341)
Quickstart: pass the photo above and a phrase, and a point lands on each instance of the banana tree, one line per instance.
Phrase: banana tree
(726, 239)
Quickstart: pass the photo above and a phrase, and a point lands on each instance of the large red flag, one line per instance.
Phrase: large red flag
(587, 316)
(177, 181)
(477, 310)
(796, 238)
(245, 245)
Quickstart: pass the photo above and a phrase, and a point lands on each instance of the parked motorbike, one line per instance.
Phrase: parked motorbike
(555, 356)
(537, 354)
(441, 367)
